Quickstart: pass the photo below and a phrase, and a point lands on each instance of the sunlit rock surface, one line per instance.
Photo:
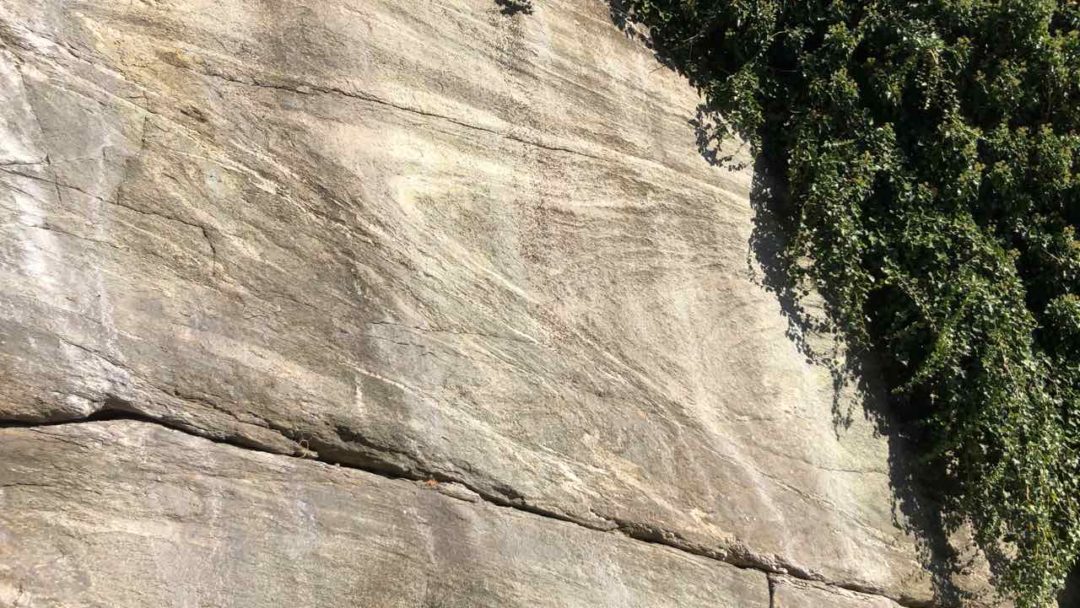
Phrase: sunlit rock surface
(428, 240)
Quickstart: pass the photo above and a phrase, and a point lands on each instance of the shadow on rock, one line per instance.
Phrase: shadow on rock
(1070, 596)
(857, 379)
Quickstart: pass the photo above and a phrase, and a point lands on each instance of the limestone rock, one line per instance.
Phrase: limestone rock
(426, 239)
(127, 513)
(790, 593)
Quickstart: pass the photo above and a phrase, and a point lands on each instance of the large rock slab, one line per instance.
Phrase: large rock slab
(424, 238)
(128, 513)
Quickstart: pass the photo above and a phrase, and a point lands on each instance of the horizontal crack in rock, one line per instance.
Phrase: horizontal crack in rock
(500, 495)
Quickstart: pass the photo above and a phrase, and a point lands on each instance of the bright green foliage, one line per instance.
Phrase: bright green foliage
(931, 156)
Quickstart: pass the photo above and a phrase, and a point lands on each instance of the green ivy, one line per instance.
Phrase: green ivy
(930, 157)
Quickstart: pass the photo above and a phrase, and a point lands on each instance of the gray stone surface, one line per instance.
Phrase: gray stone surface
(130, 514)
(422, 238)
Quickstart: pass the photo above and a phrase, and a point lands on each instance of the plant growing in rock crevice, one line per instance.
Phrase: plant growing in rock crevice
(513, 7)
(931, 152)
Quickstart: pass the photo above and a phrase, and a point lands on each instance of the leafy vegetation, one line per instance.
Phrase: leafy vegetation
(513, 7)
(930, 155)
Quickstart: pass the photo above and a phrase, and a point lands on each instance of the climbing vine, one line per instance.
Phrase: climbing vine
(929, 155)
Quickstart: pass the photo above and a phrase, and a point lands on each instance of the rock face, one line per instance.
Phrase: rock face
(789, 593)
(422, 240)
(138, 514)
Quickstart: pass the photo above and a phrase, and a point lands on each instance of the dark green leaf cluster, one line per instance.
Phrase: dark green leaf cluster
(931, 154)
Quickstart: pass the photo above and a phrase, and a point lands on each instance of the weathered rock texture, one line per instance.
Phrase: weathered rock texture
(790, 593)
(423, 239)
(139, 515)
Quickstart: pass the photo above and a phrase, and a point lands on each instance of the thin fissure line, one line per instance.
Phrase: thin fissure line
(630, 530)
